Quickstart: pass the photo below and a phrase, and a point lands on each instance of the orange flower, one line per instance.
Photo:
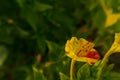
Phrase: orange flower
(81, 50)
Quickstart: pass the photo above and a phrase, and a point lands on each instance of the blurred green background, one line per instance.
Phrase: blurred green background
(34, 32)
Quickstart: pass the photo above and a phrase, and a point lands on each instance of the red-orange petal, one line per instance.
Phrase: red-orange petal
(93, 54)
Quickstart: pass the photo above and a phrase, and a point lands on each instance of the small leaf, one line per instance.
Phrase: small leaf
(42, 6)
(41, 44)
(54, 50)
(63, 76)
(110, 67)
(20, 2)
(3, 54)
(52, 46)
(83, 72)
(38, 75)
(32, 20)
(22, 32)
(97, 63)
(114, 76)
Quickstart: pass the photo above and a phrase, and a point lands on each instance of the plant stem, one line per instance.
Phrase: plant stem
(104, 7)
(72, 69)
(102, 64)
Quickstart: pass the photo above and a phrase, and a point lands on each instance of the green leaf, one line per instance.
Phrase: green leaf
(97, 63)
(42, 7)
(52, 46)
(114, 76)
(54, 50)
(41, 44)
(32, 20)
(63, 76)
(107, 72)
(20, 2)
(22, 32)
(110, 67)
(3, 54)
(83, 72)
(38, 75)
(95, 67)
(99, 19)
(26, 70)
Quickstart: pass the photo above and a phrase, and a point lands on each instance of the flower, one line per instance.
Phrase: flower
(116, 44)
(111, 18)
(114, 48)
(81, 50)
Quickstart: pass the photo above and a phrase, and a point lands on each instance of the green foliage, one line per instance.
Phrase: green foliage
(63, 76)
(32, 27)
(38, 75)
(114, 76)
(53, 49)
(83, 72)
(3, 54)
